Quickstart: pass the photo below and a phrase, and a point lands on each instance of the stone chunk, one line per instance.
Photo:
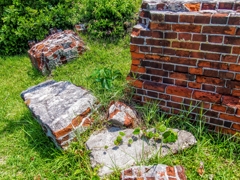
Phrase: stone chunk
(119, 114)
(61, 108)
(109, 156)
(55, 50)
(156, 172)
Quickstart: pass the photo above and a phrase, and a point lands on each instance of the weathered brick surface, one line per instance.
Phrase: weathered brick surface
(190, 51)
(61, 108)
(55, 50)
(156, 172)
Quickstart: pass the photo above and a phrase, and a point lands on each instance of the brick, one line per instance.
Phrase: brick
(230, 117)
(202, 19)
(144, 77)
(181, 83)
(157, 42)
(216, 121)
(168, 81)
(225, 130)
(179, 91)
(170, 35)
(199, 37)
(227, 124)
(146, 33)
(231, 101)
(236, 92)
(234, 67)
(236, 126)
(232, 40)
(134, 48)
(145, 48)
(135, 32)
(135, 83)
(198, 71)
(182, 53)
(215, 48)
(154, 86)
(226, 75)
(176, 99)
(157, 57)
(160, 6)
(193, 7)
(174, 105)
(159, 26)
(209, 80)
(217, 65)
(152, 94)
(136, 62)
(208, 6)
(236, 50)
(184, 36)
(224, 91)
(207, 96)
(164, 96)
(225, 5)
(212, 56)
(229, 58)
(215, 39)
(219, 18)
(153, 64)
(181, 69)
(169, 51)
(157, 72)
(176, 75)
(238, 112)
(219, 30)
(231, 110)
(186, 28)
(137, 55)
(136, 40)
(197, 54)
(157, 17)
(186, 18)
(186, 61)
(170, 171)
(234, 20)
(211, 113)
(210, 72)
(208, 87)
(194, 85)
(140, 91)
(156, 79)
(237, 77)
(171, 18)
(145, 14)
(169, 67)
(217, 107)
(156, 50)
(186, 45)
(237, 6)
(157, 34)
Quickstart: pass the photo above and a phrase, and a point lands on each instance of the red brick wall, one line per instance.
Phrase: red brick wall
(189, 57)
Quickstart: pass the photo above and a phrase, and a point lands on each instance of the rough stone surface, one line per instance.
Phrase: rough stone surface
(119, 114)
(105, 153)
(156, 172)
(55, 50)
(61, 108)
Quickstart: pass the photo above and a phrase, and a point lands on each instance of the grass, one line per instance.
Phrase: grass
(26, 153)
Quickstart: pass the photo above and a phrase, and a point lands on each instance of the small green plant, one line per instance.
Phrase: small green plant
(119, 139)
(105, 76)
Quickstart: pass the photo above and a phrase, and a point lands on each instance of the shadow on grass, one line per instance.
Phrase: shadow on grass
(34, 137)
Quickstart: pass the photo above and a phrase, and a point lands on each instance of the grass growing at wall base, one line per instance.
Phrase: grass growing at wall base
(26, 153)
